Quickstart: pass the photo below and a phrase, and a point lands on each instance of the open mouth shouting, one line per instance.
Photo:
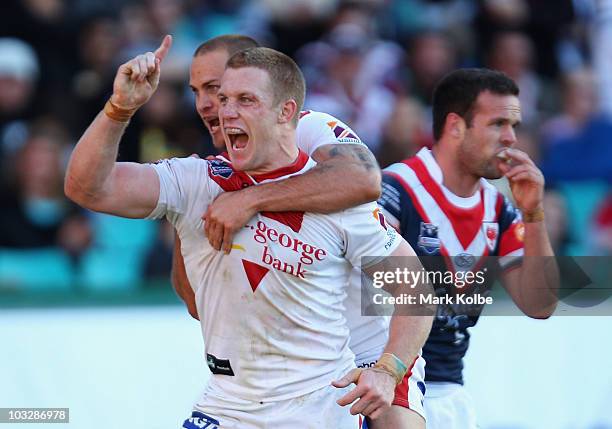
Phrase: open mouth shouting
(237, 137)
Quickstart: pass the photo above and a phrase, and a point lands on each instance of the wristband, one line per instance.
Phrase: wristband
(392, 365)
(534, 216)
(117, 113)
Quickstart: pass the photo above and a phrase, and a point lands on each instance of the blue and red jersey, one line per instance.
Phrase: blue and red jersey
(454, 234)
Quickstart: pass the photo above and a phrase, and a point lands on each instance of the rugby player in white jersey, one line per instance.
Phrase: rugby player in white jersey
(346, 175)
(271, 307)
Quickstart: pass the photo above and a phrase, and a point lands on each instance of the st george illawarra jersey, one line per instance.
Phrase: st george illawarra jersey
(460, 232)
(272, 310)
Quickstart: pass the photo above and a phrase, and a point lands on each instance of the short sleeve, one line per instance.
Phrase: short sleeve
(185, 189)
(316, 129)
(390, 200)
(367, 234)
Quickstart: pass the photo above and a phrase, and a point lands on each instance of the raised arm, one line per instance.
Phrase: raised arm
(534, 285)
(94, 179)
(346, 175)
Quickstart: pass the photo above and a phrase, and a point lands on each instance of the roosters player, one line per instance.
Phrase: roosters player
(441, 203)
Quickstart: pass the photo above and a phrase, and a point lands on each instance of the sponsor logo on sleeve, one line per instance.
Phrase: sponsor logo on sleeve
(342, 133)
(390, 232)
(380, 218)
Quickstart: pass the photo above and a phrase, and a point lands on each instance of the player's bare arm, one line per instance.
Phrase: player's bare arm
(94, 179)
(179, 280)
(347, 175)
(178, 276)
(534, 285)
(407, 335)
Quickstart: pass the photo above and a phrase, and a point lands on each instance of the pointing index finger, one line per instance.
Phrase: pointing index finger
(162, 51)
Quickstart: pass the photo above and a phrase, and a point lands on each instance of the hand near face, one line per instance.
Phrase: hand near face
(137, 79)
(526, 180)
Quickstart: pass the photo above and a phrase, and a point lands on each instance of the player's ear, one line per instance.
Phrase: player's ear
(288, 111)
(455, 126)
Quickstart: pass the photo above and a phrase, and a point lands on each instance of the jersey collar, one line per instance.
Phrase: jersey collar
(301, 163)
(435, 172)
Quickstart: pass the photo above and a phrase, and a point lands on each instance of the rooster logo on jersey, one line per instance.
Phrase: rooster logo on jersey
(491, 232)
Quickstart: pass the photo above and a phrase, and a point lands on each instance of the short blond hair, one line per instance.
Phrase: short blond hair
(286, 77)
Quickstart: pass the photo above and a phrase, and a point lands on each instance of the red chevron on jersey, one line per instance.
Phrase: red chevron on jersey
(254, 272)
(466, 222)
(292, 219)
(459, 225)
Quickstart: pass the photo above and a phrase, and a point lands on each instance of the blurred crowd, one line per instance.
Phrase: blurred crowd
(371, 63)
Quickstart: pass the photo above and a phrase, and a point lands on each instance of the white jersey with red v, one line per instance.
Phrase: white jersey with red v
(272, 310)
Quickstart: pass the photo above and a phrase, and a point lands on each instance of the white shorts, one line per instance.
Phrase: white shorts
(410, 393)
(312, 411)
(449, 406)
